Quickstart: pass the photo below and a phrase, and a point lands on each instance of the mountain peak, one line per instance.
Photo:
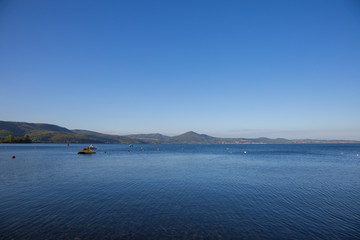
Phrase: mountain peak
(190, 133)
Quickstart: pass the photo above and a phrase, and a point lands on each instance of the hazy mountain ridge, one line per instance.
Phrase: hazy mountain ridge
(49, 133)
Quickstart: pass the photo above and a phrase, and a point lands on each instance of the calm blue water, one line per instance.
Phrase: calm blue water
(180, 192)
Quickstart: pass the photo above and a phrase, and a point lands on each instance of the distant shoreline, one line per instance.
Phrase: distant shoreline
(49, 133)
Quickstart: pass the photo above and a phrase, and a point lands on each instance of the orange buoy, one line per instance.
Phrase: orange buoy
(13, 157)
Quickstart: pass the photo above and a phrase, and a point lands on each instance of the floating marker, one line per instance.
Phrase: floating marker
(245, 152)
(14, 156)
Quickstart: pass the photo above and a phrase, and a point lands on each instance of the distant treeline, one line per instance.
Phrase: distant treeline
(12, 139)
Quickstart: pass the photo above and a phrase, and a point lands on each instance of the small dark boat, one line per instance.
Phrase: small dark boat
(86, 152)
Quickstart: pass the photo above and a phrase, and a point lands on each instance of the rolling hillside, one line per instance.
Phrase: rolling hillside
(48, 133)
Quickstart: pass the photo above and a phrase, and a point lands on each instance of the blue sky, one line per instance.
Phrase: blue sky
(224, 68)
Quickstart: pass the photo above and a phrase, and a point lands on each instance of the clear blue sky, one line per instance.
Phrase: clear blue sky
(224, 68)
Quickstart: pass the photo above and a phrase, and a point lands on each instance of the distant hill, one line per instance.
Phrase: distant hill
(105, 138)
(194, 138)
(186, 138)
(48, 133)
(153, 138)
(22, 128)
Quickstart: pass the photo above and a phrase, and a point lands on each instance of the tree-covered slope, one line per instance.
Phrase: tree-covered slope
(48, 133)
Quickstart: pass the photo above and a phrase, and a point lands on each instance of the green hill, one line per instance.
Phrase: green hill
(21, 128)
(48, 133)
(193, 138)
(153, 138)
(106, 138)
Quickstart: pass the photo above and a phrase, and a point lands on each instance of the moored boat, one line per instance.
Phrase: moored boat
(87, 150)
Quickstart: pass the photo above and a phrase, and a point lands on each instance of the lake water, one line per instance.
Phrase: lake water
(180, 192)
